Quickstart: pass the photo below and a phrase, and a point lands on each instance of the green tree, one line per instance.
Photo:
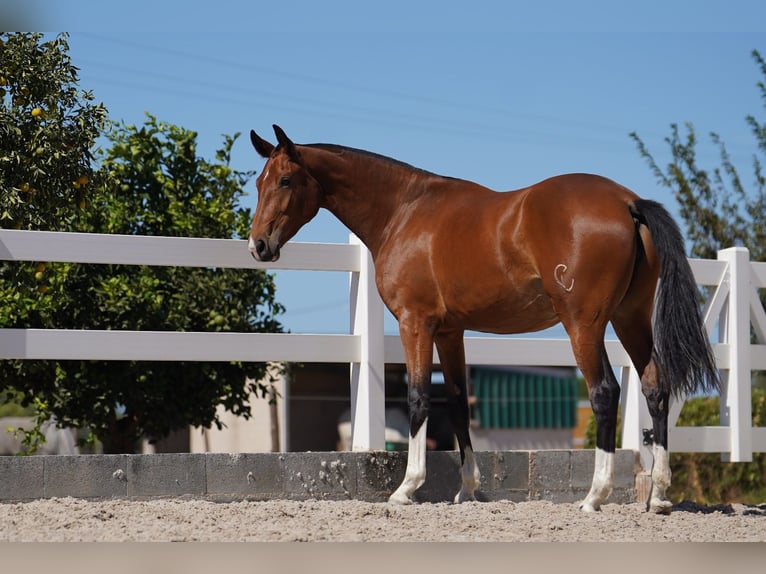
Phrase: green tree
(48, 127)
(719, 209)
(159, 186)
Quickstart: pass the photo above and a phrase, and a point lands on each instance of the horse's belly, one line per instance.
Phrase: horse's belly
(509, 316)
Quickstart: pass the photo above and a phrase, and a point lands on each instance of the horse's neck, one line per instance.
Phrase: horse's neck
(364, 198)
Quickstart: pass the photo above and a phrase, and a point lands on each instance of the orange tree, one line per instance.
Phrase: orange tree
(159, 186)
(149, 180)
(48, 127)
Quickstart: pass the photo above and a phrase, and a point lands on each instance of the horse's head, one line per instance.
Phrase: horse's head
(288, 197)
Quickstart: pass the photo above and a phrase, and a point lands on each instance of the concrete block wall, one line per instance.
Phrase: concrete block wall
(555, 475)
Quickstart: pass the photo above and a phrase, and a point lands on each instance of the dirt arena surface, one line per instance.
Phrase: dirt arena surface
(75, 520)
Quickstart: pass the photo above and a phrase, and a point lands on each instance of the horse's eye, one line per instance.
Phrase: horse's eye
(284, 182)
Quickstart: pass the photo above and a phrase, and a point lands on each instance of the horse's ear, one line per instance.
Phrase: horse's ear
(263, 147)
(285, 142)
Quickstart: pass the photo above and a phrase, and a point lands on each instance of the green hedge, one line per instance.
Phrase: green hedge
(10, 406)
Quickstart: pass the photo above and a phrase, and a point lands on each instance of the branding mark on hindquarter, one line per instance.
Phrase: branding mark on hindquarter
(558, 275)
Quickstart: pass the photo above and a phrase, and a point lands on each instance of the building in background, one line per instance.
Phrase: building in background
(511, 409)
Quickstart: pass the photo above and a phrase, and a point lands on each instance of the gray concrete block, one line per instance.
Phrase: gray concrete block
(379, 473)
(485, 460)
(626, 465)
(22, 477)
(583, 463)
(86, 476)
(560, 476)
(506, 477)
(320, 475)
(236, 476)
(166, 475)
(443, 479)
(549, 471)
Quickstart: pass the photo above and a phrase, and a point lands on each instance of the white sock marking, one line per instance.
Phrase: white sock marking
(415, 475)
(603, 481)
(659, 502)
(471, 477)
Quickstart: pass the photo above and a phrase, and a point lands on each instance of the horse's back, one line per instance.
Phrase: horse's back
(573, 207)
(573, 188)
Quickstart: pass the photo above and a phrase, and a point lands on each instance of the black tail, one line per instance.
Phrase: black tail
(681, 346)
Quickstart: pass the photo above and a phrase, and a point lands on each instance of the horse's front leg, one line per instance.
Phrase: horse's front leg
(418, 342)
(452, 359)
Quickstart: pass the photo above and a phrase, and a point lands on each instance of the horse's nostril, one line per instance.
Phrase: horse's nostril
(260, 246)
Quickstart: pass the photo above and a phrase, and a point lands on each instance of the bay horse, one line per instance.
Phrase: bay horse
(452, 255)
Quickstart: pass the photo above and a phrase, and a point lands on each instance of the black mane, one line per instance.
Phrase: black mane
(334, 148)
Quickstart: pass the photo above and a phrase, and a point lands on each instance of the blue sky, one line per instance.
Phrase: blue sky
(502, 93)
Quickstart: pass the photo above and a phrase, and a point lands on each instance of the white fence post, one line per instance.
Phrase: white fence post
(368, 412)
(736, 408)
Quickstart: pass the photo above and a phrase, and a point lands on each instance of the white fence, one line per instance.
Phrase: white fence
(730, 312)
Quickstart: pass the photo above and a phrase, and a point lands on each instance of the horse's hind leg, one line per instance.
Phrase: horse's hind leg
(633, 324)
(657, 401)
(634, 329)
(452, 358)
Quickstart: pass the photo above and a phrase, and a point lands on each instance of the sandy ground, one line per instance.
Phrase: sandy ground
(69, 519)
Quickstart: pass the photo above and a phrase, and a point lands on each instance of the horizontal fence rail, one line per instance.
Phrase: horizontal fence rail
(731, 310)
(176, 346)
(170, 251)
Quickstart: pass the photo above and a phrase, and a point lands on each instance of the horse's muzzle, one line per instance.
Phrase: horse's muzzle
(262, 250)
